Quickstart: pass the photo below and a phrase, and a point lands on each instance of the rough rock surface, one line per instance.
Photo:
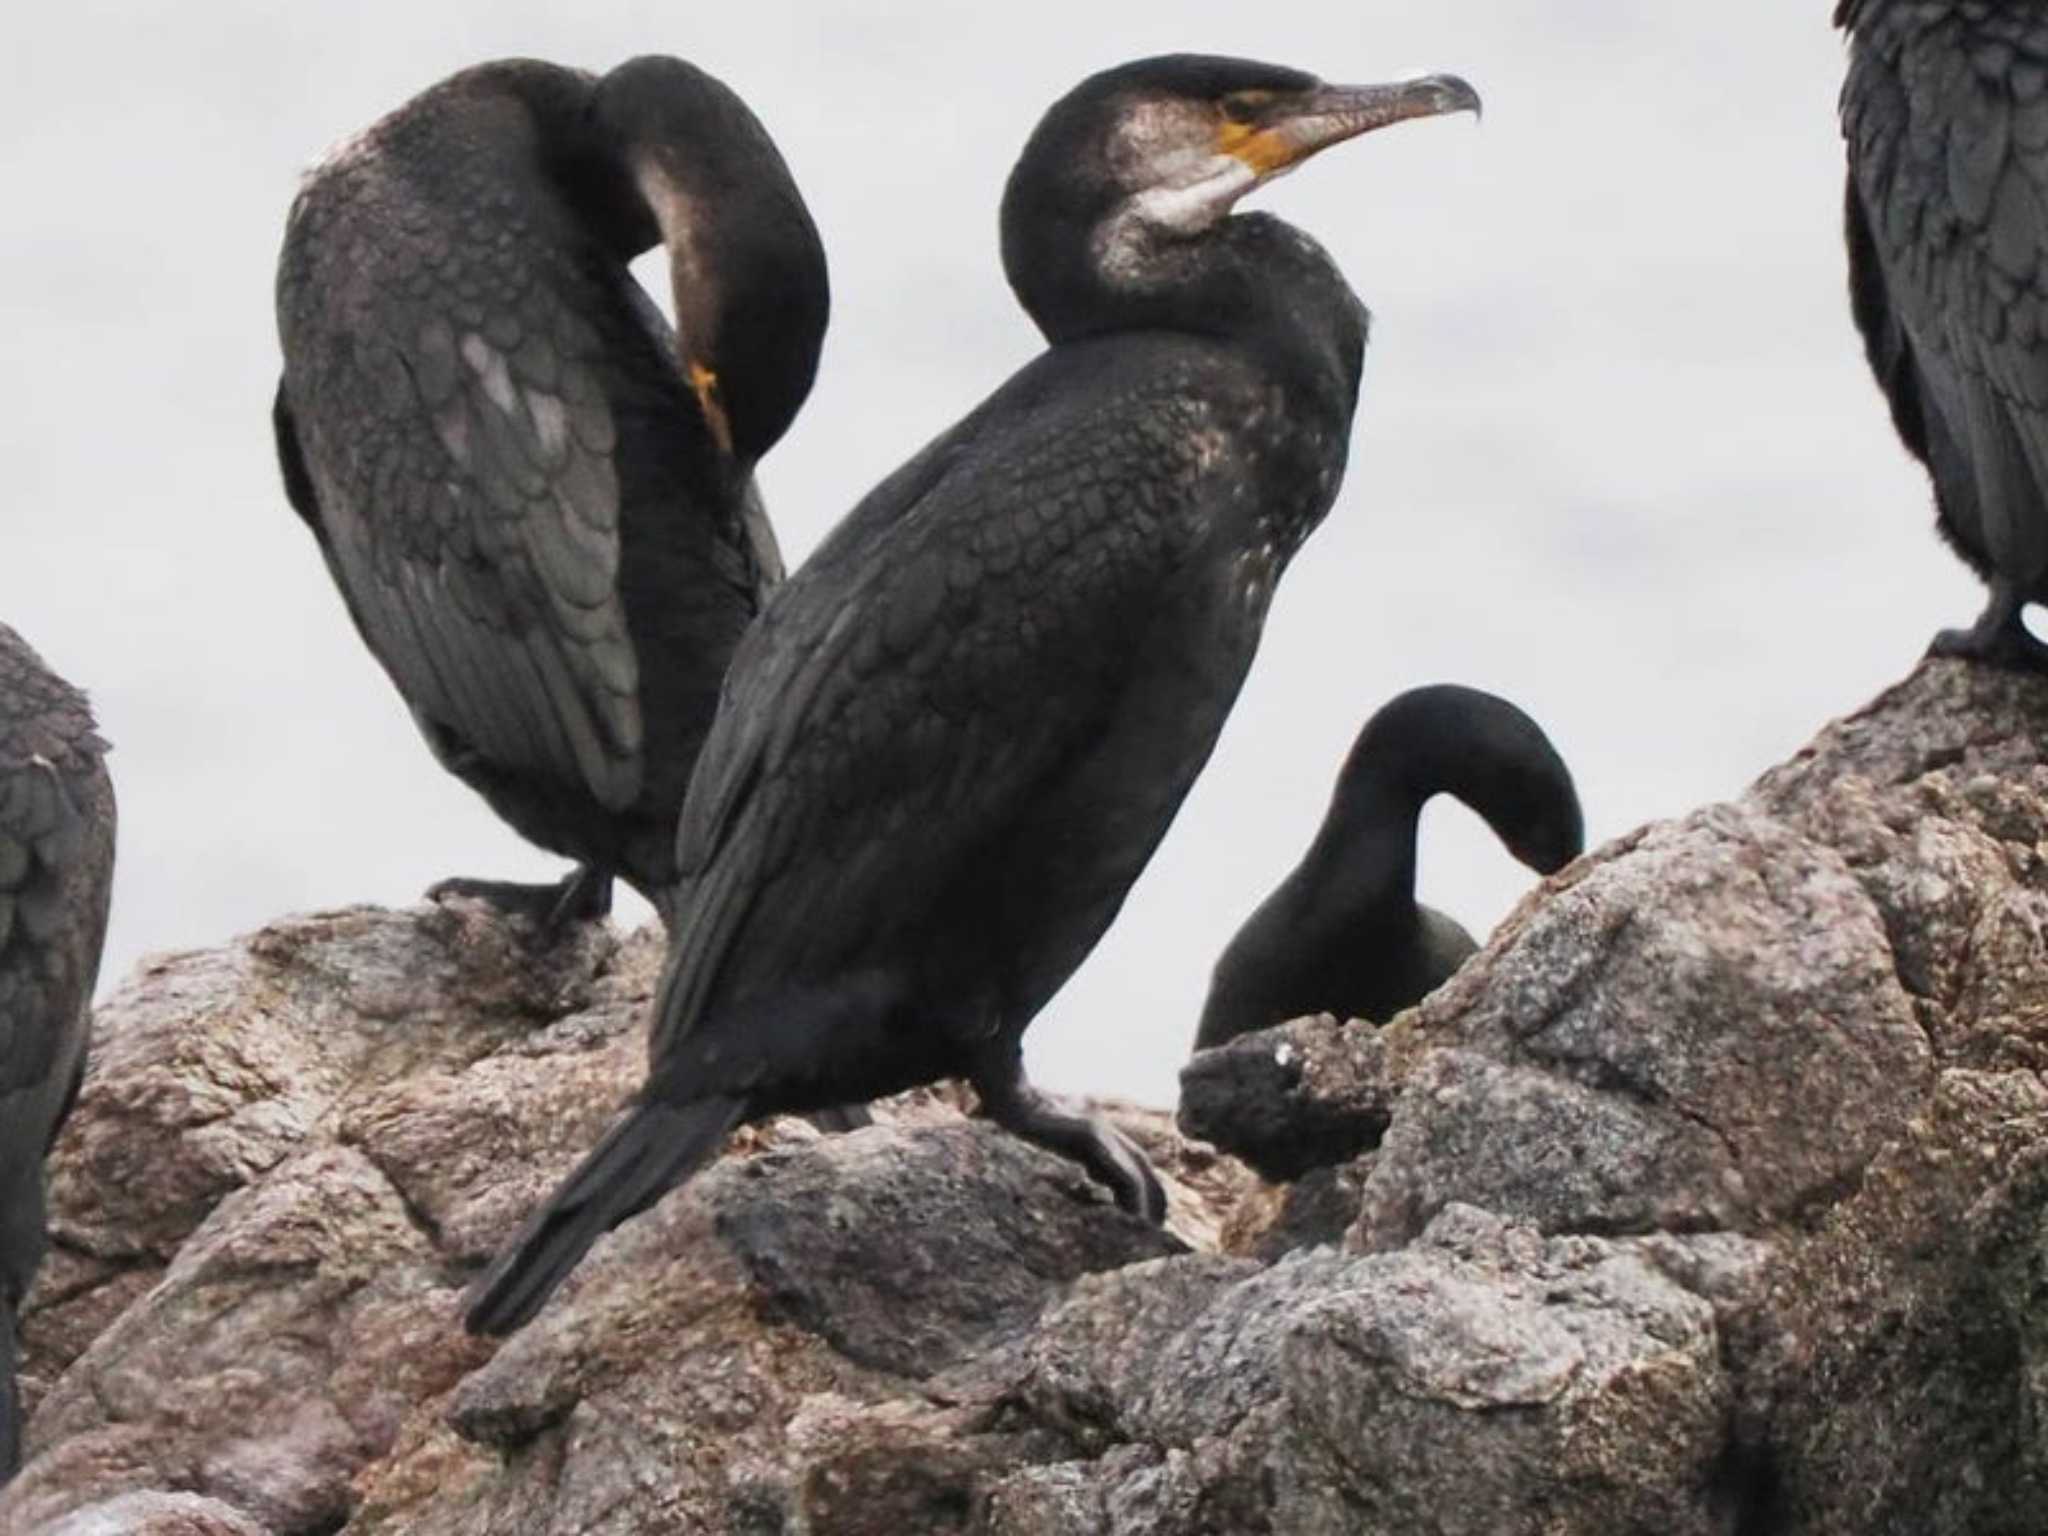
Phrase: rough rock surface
(1297, 1096)
(1712, 1196)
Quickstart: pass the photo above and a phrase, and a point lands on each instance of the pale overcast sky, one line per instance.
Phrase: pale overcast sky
(1617, 457)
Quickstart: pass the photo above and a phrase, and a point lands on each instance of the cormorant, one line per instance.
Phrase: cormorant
(1947, 127)
(537, 501)
(56, 867)
(1343, 933)
(956, 735)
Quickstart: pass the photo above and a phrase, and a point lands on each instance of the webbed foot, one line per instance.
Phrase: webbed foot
(1999, 638)
(1109, 1155)
(584, 895)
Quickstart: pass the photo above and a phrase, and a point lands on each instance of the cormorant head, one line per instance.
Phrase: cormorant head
(746, 265)
(1156, 153)
(1447, 739)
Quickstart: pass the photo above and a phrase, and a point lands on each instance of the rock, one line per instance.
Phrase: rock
(1712, 1196)
(296, 1151)
(1300, 1095)
(157, 1514)
(1317, 1208)
(1700, 1029)
(1435, 1389)
(1898, 1377)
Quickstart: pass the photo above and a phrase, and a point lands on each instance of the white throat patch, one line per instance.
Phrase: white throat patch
(1186, 205)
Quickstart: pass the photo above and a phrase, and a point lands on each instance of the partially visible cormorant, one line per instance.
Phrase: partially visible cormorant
(56, 867)
(537, 501)
(1947, 127)
(1343, 933)
(957, 734)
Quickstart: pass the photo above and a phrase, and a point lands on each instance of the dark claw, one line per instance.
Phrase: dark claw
(2006, 647)
(1999, 638)
(1136, 1185)
(583, 896)
(1110, 1156)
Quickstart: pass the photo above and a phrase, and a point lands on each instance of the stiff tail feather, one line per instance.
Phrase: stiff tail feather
(640, 1159)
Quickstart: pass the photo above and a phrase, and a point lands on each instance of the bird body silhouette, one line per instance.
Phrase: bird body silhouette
(958, 732)
(537, 501)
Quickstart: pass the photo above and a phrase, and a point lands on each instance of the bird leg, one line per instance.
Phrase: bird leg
(584, 895)
(1089, 1140)
(1999, 638)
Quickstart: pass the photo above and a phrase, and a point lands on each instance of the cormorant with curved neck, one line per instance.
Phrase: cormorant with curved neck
(1343, 933)
(56, 869)
(957, 734)
(1947, 231)
(537, 501)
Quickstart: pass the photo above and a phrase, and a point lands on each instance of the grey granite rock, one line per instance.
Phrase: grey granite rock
(1709, 1197)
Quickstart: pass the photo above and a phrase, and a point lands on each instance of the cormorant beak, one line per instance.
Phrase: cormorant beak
(1283, 133)
(704, 385)
(693, 287)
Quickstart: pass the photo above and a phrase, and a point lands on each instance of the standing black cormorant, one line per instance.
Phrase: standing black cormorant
(1343, 933)
(537, 501)
(56, 867)
(956, 735)
(1947, 226)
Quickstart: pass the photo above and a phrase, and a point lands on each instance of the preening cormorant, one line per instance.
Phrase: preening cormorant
(1946, 118)
(537, 501)
(1343, 933)
(956, 735)
(56, 867)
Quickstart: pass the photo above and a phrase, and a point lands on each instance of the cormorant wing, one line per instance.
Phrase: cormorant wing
(957, 641)
(447, 401)
(1948, 230)
(44, 847)
(782, 643)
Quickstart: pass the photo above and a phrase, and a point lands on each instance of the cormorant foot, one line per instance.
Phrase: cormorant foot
(584, 895)
(2006, 644)
(1109, 1155)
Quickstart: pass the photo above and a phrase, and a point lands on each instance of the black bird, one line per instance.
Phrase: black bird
(1946, 118)
(56, 867)
(957, 734)
(537, 501)
(1343, 933)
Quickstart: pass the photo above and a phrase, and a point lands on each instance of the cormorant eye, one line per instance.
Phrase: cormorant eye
(1245, 106)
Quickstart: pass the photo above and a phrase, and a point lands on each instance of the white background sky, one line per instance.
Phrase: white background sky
(1617, 457)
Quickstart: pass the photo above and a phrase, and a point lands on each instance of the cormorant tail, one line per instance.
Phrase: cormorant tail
(642, 1158)
(10, 1395)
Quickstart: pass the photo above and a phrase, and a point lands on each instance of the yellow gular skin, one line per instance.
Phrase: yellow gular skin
(1263, 149)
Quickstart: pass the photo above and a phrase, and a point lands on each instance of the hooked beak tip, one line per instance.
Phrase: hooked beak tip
(1449, 93)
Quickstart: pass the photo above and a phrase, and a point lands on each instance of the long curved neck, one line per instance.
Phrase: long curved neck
(1252, 281)
(1361, 864)
(1426, 743)
(657, 153)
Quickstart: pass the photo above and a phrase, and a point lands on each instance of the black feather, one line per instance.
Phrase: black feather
(653, 1149)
